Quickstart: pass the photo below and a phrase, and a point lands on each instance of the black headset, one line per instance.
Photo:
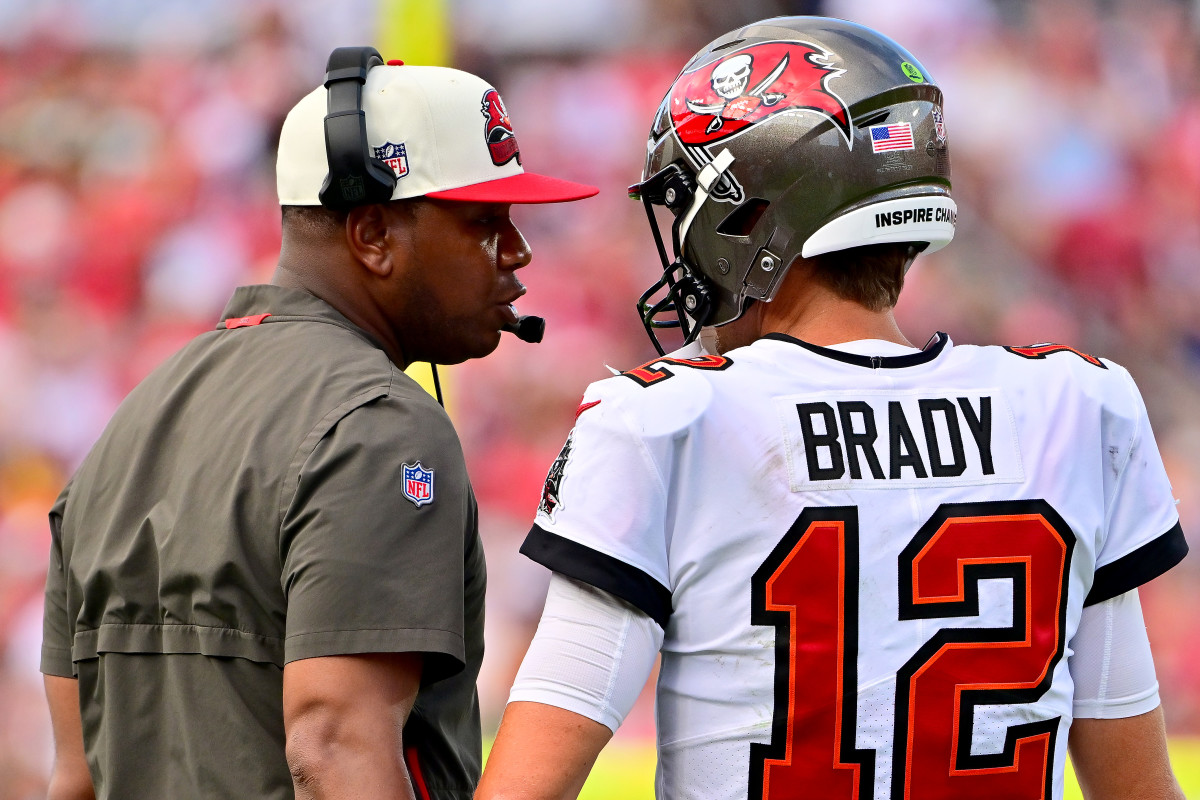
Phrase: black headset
(356, 177)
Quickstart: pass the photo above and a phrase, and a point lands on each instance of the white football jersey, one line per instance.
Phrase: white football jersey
(869, 569)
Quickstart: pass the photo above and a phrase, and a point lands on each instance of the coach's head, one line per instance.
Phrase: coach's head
(396, 184)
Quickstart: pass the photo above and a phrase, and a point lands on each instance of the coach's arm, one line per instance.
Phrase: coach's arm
(1123, 759)
(344, 717)
(69, 778)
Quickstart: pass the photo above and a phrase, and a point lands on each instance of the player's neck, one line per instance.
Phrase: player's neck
(811, 312)
(831, 320)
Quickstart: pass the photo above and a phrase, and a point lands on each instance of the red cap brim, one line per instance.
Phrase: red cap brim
(528, 187)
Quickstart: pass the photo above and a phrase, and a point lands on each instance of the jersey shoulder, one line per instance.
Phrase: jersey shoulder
(662, 396)
(1053, 369)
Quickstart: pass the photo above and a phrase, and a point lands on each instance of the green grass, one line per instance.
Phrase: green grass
(625, 770)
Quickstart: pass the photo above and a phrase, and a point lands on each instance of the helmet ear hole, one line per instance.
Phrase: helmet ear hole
(741, 221)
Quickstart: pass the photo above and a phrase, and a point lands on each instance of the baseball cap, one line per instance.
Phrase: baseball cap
(444, 132)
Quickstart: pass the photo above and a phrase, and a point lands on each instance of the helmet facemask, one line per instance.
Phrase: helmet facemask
(686, 299)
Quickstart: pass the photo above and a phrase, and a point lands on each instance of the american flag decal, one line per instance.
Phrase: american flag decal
(891, 137)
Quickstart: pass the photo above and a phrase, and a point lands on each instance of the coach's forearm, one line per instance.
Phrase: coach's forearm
(69, 777)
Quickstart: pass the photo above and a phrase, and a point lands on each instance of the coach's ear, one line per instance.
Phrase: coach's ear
(372, 233)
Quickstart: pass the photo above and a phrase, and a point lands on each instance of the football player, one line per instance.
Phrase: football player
(872, 570)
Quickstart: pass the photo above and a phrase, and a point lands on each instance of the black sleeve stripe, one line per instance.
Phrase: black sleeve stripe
(1141, 566)
(602, 571)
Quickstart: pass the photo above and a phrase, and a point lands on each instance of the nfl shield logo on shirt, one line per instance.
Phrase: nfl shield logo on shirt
(418, 484)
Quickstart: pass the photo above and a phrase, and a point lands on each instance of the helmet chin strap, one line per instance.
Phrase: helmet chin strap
(708, 176)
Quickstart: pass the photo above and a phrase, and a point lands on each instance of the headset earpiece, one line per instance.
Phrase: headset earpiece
(355, 176)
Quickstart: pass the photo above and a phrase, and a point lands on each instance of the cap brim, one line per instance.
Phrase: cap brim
(528, 187)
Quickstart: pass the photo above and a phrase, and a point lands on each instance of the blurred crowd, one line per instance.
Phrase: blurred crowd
(137, 189)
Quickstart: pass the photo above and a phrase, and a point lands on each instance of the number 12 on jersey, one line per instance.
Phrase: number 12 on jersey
(808, 590)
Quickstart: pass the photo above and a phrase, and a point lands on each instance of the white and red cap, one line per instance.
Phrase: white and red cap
(444, 132)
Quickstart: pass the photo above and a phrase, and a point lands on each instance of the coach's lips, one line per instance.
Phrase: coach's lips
(508, 305)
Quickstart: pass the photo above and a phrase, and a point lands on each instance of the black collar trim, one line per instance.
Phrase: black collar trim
(933, 349)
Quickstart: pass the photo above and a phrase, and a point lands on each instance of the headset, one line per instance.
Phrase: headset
(355, 176)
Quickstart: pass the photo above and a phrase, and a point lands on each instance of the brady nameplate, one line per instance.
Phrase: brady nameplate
(896, 439)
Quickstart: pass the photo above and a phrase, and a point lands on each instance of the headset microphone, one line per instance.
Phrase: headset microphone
(527, 329)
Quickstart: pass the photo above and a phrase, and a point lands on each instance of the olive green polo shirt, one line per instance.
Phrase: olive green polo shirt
(277, 490)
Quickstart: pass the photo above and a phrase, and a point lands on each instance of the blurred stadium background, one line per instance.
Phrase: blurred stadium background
(137, 189)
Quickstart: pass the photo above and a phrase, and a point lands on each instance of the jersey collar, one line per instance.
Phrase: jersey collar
(933, 348)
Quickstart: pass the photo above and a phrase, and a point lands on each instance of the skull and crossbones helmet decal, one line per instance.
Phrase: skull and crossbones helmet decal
(731, 76)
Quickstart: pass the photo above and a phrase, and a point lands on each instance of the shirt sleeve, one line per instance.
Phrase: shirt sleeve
(57, 629)
(1143, 537)
(602, 519)
(367, 567)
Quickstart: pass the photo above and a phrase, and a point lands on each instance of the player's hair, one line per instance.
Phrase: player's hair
(871, 275)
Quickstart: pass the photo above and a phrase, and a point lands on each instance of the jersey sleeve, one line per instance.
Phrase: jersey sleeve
(56, 624)
(1143, 538)
(603, 515)
(367, 568)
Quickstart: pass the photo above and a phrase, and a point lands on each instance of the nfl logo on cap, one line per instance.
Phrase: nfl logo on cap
(418, 484)
(395, 156)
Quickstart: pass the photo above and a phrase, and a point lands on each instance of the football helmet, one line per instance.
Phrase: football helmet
(794, 136)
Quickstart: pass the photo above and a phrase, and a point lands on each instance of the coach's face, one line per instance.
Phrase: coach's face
(457, 280)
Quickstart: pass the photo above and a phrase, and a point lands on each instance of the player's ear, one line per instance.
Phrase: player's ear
(370, 238)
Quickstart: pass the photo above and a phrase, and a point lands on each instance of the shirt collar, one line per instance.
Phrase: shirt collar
(276, 304)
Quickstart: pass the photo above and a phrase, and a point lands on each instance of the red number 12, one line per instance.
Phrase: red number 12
(808, 590)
